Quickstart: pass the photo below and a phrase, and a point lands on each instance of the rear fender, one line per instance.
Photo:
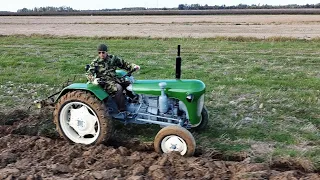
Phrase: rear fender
(97, 90)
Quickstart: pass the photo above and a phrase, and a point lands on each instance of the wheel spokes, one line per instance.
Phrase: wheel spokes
(83, 121)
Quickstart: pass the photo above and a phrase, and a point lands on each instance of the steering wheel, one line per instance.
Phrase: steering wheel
(129, 73)
(123, 78)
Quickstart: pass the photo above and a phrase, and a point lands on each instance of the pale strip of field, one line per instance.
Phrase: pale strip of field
(261, 26)
(256, 19)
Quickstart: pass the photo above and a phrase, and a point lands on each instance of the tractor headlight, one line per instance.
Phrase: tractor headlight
(200, 104)
(190, 97)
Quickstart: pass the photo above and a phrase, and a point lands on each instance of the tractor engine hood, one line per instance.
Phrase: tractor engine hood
(176, 88)
(180, 89)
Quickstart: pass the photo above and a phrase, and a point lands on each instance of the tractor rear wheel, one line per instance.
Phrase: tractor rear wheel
(81, 118)
(175, 139)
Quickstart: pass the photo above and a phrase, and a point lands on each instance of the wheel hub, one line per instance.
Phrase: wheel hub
(81, 124)
(173, 146)
(174, 143)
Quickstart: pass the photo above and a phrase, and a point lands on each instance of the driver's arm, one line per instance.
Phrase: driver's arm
(90, 74)
(120, 63)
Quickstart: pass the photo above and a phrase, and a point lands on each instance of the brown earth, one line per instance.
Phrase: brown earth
(30, 149)
(260, 26)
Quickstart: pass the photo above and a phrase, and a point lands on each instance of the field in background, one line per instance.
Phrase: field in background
(135, 12)
(204, 26)
(262, 95)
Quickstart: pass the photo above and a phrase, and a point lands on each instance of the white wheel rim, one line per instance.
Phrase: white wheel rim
(79, 123)
(174, 143)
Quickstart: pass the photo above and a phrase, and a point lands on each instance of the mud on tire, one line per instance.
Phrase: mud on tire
(175, 138)
(81, 118)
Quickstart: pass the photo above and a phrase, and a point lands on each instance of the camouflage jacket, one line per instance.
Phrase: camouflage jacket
(106, 68)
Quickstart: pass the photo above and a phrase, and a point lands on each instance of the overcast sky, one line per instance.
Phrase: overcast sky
(14, 5)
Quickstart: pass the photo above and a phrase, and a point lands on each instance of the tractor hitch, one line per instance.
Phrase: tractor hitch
(44, 103)
(50, 101)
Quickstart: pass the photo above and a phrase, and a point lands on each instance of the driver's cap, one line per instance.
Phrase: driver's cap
(102, 47)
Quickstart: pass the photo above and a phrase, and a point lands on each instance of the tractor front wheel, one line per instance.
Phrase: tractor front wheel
(81, 118)
(175, 139)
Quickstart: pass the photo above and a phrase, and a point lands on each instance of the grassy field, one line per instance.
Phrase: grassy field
(262, 95)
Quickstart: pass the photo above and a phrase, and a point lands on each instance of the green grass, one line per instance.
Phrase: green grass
(264, 91)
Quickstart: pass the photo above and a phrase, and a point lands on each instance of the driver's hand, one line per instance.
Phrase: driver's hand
(136, 67)
(96, 81)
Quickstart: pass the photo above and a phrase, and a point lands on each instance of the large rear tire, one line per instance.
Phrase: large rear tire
(175, 139)
(81, 118)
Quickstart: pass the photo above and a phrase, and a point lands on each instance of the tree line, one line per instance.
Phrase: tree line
(245, 6)
(180, 7)
(48, 9)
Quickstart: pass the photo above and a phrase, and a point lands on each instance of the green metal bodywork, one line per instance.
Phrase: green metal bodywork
(121, 73)
(175, 88)
(178, 89)
(95, 89)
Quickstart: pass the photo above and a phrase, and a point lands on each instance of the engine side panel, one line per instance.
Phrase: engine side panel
(178, 89)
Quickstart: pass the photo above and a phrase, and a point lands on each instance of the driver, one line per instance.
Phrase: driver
(105, 66)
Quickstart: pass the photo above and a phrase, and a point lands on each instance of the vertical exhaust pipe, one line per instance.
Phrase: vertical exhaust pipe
(178, 64)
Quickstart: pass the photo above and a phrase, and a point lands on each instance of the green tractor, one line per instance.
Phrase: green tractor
(84, 112)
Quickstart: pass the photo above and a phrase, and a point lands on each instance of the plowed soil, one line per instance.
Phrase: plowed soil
(31, 149)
